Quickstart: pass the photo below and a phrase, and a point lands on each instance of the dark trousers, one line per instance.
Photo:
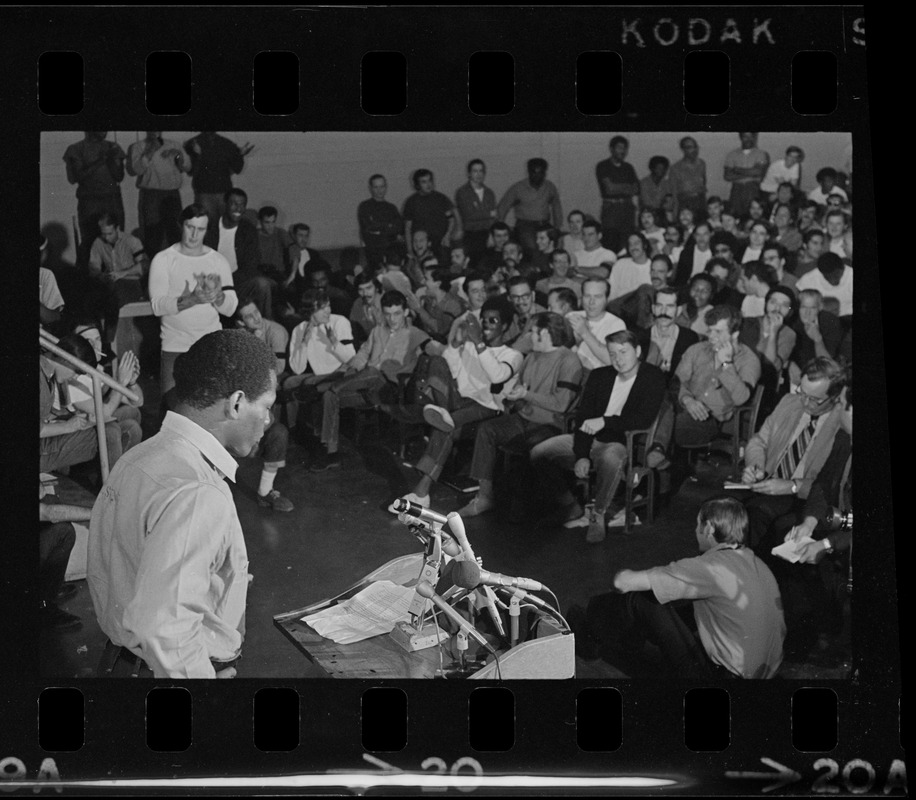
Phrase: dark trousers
(112, 296)
(119, 662)
(507, 429)
(526, 233)
(621, 623)
(475, 244)
(618, 221)
(55, 541)
(158, 211)
(762, 511)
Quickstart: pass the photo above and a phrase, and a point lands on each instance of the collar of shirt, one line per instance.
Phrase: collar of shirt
(659, 333)
(204, 441)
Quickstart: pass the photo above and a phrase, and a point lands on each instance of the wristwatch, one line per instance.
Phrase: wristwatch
(794, 486)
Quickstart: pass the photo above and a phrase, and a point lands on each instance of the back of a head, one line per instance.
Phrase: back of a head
(221, 363)
(728, 518)
(829, 264)
(78, 346)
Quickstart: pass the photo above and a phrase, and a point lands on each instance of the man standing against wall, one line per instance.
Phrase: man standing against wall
(619, 189)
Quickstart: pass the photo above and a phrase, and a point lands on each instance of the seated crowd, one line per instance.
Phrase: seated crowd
(549, 340)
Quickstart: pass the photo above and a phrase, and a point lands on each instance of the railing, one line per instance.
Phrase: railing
(49, 343)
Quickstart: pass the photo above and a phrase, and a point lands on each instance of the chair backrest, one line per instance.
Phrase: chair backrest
(756, 400)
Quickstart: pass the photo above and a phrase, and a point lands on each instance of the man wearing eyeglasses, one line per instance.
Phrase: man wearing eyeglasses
(785, 456)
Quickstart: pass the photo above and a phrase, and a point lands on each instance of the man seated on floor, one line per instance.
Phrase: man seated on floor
(593, 324)
(726, 593)
(548, 382)
(466, 384)
(615, 400)
(784, 457)
(390, 351)
(167, 565)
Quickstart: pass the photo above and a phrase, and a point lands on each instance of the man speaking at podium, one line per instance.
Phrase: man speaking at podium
(167, 564)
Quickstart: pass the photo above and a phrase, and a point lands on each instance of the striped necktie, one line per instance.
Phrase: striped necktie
(796, 451)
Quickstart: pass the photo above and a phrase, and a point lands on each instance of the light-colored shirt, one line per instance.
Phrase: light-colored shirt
(48, 293)
(156, 171)
(226, 245)
(547, 285)
(664, 346)
(720, 390)
(753, 306)
(475, 373)
(818, 196)
(736, 604)
(167, 565)
(746, 159)
(843, 292)
(317, 350)
(274, 335)
(120, 260)
(169, 276)
(779, 173)
(533, 205)
(619, 395)
(390, 352)
(600, 328)
(594, 258)
(700, 259)
(627, 276)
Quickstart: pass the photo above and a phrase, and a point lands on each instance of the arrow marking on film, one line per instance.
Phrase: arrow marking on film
(783, 775)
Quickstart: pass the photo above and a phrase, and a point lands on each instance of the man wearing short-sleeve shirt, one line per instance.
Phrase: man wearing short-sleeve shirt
(619, 189)
(432, 211)
(745, 168)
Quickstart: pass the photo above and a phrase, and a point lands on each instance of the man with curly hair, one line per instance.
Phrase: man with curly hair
(167, 564)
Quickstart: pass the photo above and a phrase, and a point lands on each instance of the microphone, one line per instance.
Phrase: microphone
(425, 590)
(417, 511)
(468, 575)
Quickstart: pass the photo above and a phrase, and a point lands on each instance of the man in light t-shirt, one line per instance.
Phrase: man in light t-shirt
(186, 291)
(592, 325)
(594, 261)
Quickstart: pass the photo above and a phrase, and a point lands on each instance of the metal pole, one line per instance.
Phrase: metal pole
(48, 342)
(100, 425)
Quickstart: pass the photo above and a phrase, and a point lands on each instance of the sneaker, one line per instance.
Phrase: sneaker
(420, 500)
(57, 619)
(477, 506)
(325, 461)
(596, 528)
(619, 520)
(274, 500)
(439, 418)
(656, 458)
(581, 521)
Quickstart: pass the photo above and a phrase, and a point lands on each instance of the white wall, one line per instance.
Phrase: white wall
(319, 178)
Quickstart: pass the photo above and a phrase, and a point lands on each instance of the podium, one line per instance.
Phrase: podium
(548, 653)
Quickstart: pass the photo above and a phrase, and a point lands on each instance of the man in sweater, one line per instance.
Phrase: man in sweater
(391, 350)
(614, 401)
(186, 291)
(534, 200)
(380, 223)
(467, 384)
(619, 188)
(548, 382)
(476, 205)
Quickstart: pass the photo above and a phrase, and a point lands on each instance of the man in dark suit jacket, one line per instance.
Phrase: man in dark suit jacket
(233, 235)
(695, 255)
(626, 396)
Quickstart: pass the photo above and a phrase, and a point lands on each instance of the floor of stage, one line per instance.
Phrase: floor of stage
(340, 530)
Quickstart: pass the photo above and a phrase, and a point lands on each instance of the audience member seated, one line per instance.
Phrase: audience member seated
(826, 185)
(466, 384)
(390, 351)
(380, 223)
(730, 225)
(695, 255)
(562, 301)
(839, 235)
(700, 291)
(635, 307)
(756, 212)
(721, 271)
(784, 171)
(474, 287)
(318, 277)
(547, 384)
(521, 295)
(51, 301)
(654, 233)
(757, 235)
(690, 610)
(546, 238)
(66, 435)
(318, 350)
(817, 332)
(776, 256)
(560, 266)
(631, 271)
(593, 324)
(421, 255)
(593, 261)
(615, 400)
(236, 239)
(572, 241)
(755, 281)
(811, 611)
(654, 186)
(832, 278)
(273, 245)
(687, 219)
(492, 257)
(786, 233)
(772, 337)
(56, 538)
(366, 311)
(785, 455)
(301, 259)
(714, 378)
(186, 291)
(117, 267)
(126, 413)
(272, 333)
(438, 309)
(673, 243)
(814, 243)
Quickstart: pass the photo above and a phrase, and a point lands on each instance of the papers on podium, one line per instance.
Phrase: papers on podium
(375, 610)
